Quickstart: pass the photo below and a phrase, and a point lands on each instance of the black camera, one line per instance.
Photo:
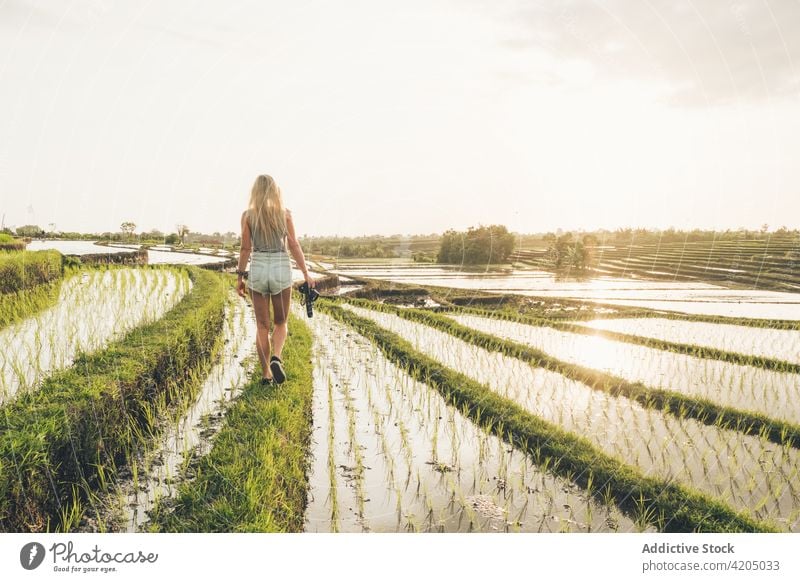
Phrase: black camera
(308, 295)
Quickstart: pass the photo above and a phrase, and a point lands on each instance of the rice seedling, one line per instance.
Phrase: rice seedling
(185, 429)
(776, 344)
(93, 413)
(730, 385)
(670, 401)
(332, 463)
(575, 310)
(94, 308)
(17, 306)
(429, 446)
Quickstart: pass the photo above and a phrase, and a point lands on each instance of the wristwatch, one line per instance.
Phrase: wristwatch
(242, 274)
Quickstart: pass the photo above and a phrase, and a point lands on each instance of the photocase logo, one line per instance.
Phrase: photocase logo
(31, 555)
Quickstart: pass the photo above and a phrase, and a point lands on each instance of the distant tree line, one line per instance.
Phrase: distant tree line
(127, 233)
(477, 246)
(363, 247)
(481, 245)
(643, 235)
(626, 236)
(371, 246)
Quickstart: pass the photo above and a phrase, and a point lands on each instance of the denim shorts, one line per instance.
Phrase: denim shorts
(270, 272)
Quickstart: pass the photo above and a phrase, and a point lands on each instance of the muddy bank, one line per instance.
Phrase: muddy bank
(220, 266)
(434, 297)
(329, 282)
(132, 257)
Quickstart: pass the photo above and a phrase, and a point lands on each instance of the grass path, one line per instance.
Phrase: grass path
(254, 479)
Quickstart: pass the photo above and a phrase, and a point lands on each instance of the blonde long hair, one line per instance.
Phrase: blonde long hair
(266, 210)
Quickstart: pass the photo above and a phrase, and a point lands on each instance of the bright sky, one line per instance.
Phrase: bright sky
(409, 116)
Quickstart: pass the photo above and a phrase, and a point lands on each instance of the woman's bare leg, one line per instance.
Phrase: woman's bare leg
(261, 308)
(280, 309)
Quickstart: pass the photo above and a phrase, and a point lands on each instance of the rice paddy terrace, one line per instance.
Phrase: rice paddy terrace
(131, 401)
(771, 263)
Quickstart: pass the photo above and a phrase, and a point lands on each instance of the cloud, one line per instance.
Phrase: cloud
(705, 52)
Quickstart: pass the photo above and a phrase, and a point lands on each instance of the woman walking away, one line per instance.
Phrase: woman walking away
(267, 232)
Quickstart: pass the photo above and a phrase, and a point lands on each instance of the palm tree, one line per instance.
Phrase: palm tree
(127, 228)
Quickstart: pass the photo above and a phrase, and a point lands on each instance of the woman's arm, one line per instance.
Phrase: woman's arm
(296, 249)
(244, 254)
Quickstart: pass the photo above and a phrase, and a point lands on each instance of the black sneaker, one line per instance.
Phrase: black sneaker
(276, 365)
(267, 381)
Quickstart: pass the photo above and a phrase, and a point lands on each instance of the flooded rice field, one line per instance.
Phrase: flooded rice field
(156, 255)
(388, 454)
(92, 309)
(178, 258)
(726, 303)
(768, 343)
(693, 297)
(158, 471)
(74, 247)
(747, 472)
(775, 394)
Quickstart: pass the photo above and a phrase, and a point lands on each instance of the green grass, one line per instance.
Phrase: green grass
(9, 243)
(17, 306)
(254, 479)
(24, 270)
(60, 442)
(667, 506)
(669, 401)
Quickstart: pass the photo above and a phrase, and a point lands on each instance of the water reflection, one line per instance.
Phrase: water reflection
(682, 296)
(157, 255)
(781, 344)
(745, 471)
